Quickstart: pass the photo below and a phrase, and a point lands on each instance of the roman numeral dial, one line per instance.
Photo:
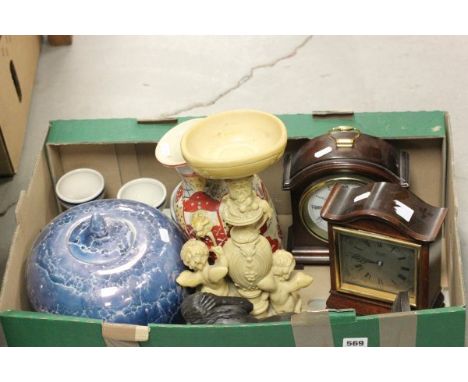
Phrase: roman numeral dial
(375, 263)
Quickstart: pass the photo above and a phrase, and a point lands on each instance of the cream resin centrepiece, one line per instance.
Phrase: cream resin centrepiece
(234, 146)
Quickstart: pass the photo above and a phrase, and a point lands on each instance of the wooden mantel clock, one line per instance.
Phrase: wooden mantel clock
(383, 240)
(345, 156)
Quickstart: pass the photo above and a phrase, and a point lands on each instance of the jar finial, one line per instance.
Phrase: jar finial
(97, 225)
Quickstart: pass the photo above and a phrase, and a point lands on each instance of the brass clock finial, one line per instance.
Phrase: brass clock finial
(346, 141)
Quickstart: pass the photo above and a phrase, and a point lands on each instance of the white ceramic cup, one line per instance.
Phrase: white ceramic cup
(146, 190)
(79, 186)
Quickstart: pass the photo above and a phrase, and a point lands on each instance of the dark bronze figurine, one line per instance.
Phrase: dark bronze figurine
(207, 308)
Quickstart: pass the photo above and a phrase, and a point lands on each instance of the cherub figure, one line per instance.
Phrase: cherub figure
(284, 284)
(195, 255)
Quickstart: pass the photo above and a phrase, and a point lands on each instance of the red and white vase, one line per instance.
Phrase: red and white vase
(195, 201)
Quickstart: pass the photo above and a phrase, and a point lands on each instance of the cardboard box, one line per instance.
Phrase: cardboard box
(123, 149)
(18, 62)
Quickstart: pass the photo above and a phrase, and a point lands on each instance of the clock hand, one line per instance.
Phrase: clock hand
(364, 260)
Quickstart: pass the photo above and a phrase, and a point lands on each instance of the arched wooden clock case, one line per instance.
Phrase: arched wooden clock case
(384, 240)
(344, 155)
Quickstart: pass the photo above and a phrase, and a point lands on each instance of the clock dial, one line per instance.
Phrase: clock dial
(377, 264)
(313, 199)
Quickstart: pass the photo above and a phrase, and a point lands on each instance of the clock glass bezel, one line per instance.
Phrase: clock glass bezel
(306, 220)
(370, 292)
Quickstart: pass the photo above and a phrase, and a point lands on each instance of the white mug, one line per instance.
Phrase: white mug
(146, 190)
(79, 186)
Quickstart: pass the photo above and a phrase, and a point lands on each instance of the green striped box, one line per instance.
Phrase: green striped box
(426, 133)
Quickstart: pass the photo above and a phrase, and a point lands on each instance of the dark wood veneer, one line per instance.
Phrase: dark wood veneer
(369, 157)
(376, 214)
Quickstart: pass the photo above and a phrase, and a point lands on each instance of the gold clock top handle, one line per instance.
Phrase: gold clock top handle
(345, 141)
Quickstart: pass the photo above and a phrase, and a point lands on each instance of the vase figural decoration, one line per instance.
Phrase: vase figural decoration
(196, 200)
(233, 146)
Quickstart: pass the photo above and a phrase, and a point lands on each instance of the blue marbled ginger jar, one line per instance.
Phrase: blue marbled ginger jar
(115, 260)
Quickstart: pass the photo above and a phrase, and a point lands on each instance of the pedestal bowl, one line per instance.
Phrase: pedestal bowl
(234, 144)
